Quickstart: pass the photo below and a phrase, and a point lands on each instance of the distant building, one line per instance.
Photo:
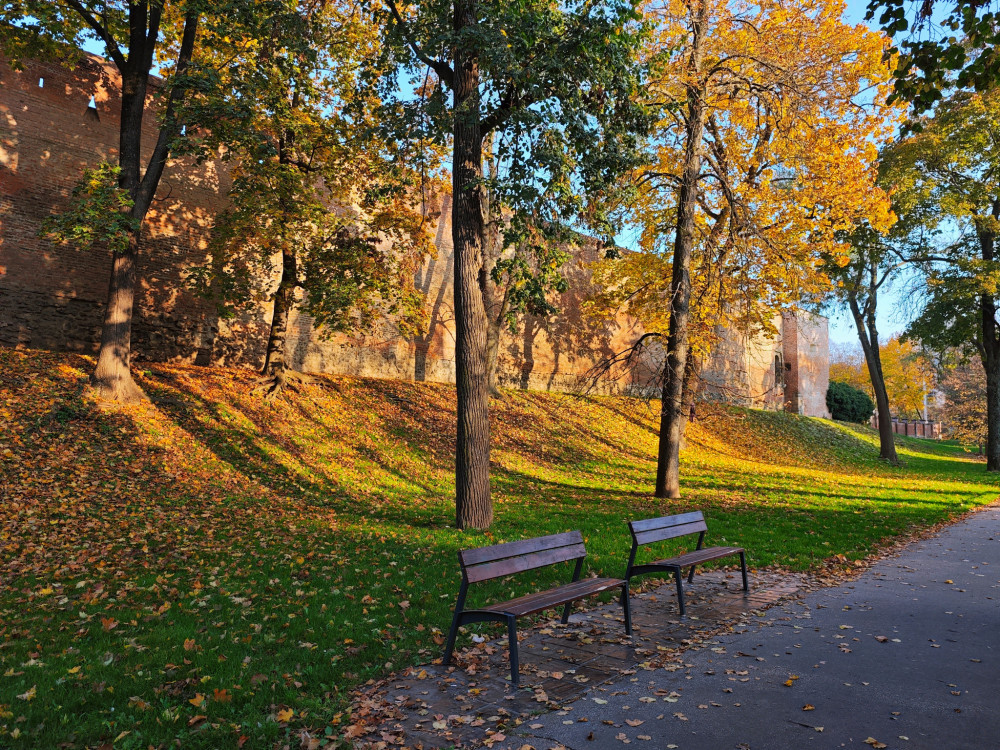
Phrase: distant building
(788, 371)
(55, 121)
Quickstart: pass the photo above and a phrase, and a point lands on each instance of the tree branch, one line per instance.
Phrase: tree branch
(443, 70)
(114, 51)
(158, 159)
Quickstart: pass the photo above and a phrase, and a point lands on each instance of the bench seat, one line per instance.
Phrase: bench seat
(654, 530)
(698, 557)
(501, 560)
(556, 597)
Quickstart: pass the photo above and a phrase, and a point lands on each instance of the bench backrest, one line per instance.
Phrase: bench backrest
(667, 527)
(484, 563)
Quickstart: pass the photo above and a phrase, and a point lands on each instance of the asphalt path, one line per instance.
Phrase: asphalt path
(905, 656)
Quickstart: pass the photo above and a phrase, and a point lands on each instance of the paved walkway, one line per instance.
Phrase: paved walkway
(911, 649)
(907, 656)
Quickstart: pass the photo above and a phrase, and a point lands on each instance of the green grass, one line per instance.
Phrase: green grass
(284, 554)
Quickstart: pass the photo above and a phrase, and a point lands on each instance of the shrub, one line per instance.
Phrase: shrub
(848, 404)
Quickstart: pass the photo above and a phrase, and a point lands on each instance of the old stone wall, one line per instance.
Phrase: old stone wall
(54, 296)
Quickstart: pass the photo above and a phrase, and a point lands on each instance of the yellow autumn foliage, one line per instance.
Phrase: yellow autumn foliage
(796, 112)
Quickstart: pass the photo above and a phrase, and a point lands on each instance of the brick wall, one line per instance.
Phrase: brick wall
(53, 296)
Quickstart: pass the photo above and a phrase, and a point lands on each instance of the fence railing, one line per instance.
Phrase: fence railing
(912, 427)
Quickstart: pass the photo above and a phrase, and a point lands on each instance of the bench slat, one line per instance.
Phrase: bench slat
(531, 603)
(526, 561)
(668, 532)
(663, 521)
(512, 549)
(699, 556)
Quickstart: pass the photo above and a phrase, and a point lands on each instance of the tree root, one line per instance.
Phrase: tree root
(273, 385)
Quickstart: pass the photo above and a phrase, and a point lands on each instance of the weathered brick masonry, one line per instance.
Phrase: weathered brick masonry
(53, 296)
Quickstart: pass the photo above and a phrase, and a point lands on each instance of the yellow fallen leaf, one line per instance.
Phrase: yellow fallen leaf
(73, 670)
(809, 707)
(189, 644)
(285, 714)
(29, 695)
(198, 701)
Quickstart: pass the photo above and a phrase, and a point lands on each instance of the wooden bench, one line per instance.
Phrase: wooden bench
(670, 527)
(487, 563)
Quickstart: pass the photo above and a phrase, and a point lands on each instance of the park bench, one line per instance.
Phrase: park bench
(655, 530)
(486, 563)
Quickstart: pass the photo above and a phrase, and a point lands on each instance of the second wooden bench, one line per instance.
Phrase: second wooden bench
(487, 563)
(655, 530)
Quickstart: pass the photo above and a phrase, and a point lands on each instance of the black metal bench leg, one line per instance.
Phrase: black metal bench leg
(565, 614)
(627, 609)
(680, 590)
(456, 620)
(743, 567)
(515, 674)
(450, 645)
(691, 574)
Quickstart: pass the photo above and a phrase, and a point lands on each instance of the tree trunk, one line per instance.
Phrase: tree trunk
(492, 354)
(284, 300)
(990, 352)
(473, 505)
(671, 412)
(112, 377)
(868, 336)
(692, 371)
(496, 302)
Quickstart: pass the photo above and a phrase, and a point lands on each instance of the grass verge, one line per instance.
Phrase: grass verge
(222, 572)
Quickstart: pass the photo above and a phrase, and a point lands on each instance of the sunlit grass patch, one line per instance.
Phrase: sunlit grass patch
(209, 567)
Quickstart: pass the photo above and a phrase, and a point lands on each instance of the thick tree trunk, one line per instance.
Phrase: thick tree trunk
(473, 505)
(991, 364)
(112, 377)
(671, 413)
(868, 336)
(284, 300)
(990, 352)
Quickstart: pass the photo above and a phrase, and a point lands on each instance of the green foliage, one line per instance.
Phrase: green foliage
(312, 179)
(98, 212)
(947, 184)
(848, 404)
(557, 98)
(954, 47)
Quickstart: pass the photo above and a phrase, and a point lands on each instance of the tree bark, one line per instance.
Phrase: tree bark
(990, 351)
(473, 505)
(284, 299)
(692, 371)
(868, 336)
(112, 376)
(671, 412)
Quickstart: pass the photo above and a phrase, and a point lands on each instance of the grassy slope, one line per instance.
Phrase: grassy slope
(209, 567)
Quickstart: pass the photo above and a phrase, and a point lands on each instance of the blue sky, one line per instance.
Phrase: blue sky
(893, 312)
